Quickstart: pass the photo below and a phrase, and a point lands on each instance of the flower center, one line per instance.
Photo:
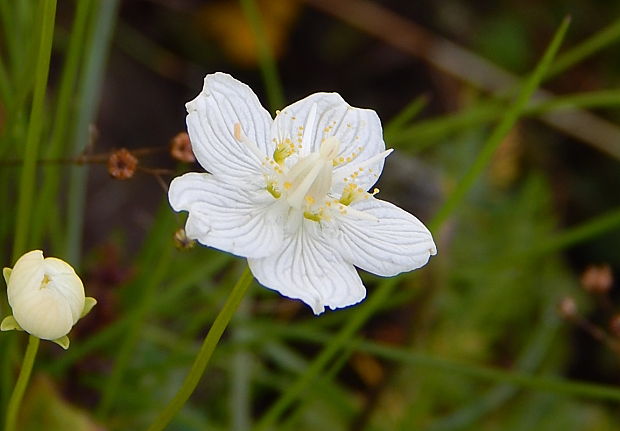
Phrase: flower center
(310, 179)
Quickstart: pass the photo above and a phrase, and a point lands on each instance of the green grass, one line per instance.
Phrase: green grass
(477, 342)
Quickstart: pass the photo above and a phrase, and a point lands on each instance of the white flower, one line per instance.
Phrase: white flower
(46, 296)
(291, 194)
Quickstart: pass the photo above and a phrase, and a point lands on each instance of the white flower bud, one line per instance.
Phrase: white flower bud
(46, 296)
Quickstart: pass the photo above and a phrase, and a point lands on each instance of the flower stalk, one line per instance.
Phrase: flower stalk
(22, 382)
(206, 351)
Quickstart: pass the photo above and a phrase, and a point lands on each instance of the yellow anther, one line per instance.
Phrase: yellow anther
(287, 185)
(312, 216)
(352, 193)
(273, 190)
(309, 200)
(282, 151)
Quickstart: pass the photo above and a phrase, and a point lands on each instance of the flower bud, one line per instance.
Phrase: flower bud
(46, 296)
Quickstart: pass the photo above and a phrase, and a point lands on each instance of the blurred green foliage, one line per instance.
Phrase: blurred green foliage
(471, 342)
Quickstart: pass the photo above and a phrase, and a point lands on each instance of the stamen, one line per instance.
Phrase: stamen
(272, 188)
(282, 151)
(240, 137)
(237, 132)
(312, 216)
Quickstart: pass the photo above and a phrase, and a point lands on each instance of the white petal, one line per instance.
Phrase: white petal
(26, 276)
(228, 128)
(322, 115)
(243, 221)
(44, 315)
(306, 268)
(66, 283)
(387, 243)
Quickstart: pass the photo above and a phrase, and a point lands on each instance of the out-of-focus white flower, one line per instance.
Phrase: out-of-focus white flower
(46, 296)
(292, 194)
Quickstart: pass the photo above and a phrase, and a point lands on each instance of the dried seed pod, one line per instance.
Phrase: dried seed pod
(122, 164)
(181, 148)
(597, 279)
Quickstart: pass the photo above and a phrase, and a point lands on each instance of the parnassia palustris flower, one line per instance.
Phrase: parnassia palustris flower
(294, 194)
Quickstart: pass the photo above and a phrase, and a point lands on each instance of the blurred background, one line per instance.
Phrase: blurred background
(514, 325)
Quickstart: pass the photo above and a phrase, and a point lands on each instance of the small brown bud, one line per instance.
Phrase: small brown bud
(614, 325)
(122, 164)
(181, 148)
(597, 278)
(567, 308)
(181, 241)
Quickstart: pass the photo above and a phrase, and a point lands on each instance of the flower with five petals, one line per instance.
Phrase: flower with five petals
(291, 194)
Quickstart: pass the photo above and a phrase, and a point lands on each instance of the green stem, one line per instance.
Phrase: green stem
(585, 49)
(334, 347)
(499, 133)
(22, 382)
(205, 353)
(265, 57)
(405, 116)
(28, 174)
(62, 120)
(27, 180)
(102, 22)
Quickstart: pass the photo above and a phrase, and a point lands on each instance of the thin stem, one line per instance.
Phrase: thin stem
(102, 19)
(585, 49)
(62, 121)
(265, 56)
(519, 378)
(405, 116)
(205, 353)
(337, 342)
(502, 129)
(28, 174)
(22, 382)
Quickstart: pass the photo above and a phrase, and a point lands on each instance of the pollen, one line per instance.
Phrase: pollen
(287, 185)
(273, 190)
(352, 193)
(312, 216)
(282, 151)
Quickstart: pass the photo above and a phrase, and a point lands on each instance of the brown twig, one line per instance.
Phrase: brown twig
(466, 66)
